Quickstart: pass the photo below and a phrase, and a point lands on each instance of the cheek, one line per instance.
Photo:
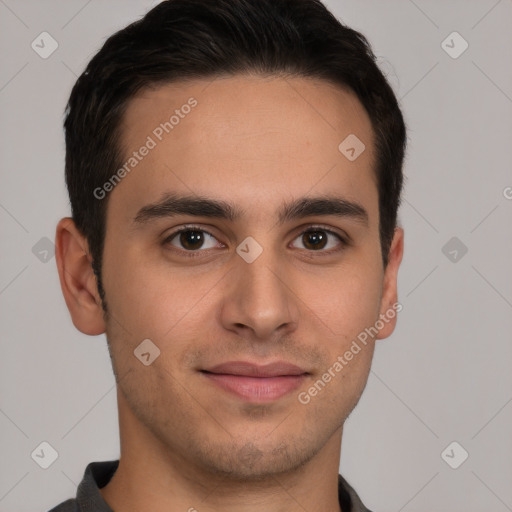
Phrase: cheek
(347, 303)
(150, 299)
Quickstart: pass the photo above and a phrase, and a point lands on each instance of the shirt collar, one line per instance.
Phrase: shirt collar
(98, 474)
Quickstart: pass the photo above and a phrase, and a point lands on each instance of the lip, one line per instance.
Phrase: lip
(256, 383)
(246, 369)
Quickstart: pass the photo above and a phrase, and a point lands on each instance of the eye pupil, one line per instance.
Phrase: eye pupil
(317, 238)
(190, 238)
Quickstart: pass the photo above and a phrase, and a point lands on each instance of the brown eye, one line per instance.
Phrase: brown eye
(320, 239)
(190, 239)
(314, 239)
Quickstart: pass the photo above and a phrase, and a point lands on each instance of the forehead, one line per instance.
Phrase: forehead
(252, 137)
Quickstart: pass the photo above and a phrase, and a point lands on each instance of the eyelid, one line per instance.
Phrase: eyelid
(185, 228)
(343, 238)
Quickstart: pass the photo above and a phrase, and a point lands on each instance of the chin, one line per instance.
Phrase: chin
(255, 461)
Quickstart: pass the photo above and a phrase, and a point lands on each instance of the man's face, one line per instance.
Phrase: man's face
(206, 297)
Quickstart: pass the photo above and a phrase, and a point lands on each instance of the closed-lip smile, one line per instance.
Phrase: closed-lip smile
(256, 383)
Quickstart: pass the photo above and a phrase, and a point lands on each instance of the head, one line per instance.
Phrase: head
(243, 104)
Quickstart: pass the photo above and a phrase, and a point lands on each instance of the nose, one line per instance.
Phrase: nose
(259, 301)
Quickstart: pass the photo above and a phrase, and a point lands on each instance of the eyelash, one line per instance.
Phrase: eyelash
(196, 253)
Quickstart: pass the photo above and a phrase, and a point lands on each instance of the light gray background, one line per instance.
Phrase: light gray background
(443, 376)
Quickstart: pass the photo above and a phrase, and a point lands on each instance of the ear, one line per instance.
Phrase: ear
(389, 306)
(77, 279)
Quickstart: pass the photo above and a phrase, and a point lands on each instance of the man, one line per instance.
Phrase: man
(234, 170)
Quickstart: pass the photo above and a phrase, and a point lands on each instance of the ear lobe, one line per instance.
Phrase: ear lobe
(77, 279)
(389, 302)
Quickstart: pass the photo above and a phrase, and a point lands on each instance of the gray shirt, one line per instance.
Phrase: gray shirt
(98, 474)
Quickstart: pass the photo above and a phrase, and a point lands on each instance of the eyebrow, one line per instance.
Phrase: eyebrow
(172, 205)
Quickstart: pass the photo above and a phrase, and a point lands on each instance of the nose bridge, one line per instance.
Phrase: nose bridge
(260, 297)
(263, 282)
(262, 286)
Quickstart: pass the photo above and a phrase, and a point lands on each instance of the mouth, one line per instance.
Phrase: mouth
(256, 383)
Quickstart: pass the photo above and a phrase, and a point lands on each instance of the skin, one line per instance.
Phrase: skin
(255, 142)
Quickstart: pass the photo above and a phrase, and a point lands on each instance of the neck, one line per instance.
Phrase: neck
(150, 476)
